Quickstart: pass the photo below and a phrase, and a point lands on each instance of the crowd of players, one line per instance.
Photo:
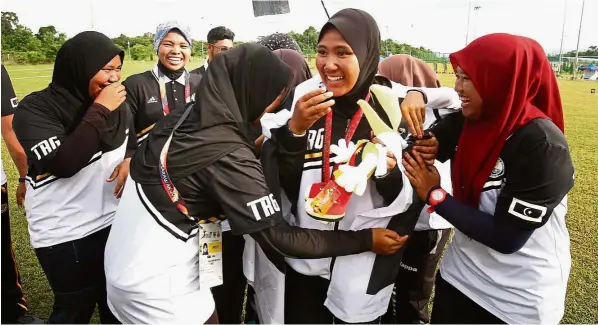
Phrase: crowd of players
(127, 184)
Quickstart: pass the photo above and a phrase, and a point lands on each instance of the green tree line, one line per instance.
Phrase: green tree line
(308, 41)
(20, 45)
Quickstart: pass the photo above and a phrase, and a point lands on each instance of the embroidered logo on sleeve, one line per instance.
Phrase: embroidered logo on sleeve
(498, 170)
(527, 211)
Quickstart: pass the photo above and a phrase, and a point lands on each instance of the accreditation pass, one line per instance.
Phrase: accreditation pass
(210, 254)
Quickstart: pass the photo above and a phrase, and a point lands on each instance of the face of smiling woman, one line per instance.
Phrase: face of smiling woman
(109, 73)
(337, 63)
(174, 51)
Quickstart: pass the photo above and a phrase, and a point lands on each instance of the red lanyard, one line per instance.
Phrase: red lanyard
(163, 98)
(171, 190)
(326, 174)
(167, 183)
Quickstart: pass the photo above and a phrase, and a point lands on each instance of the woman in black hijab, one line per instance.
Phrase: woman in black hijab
(75, 135)
(301, 72)
(360, 287)
(195, 166)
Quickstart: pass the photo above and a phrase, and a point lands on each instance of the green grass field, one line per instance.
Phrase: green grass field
(581, 116)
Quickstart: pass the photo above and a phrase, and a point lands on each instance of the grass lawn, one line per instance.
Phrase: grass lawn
(581, 117)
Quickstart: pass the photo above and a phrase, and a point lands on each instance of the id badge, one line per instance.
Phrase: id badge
(210, 254)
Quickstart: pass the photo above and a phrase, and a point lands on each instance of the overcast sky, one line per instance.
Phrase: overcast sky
(440, 25)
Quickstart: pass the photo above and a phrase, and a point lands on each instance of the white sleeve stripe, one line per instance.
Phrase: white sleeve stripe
(142, 138)
(157, 214)
(493, 183)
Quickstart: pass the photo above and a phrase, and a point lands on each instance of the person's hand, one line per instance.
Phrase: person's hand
(422, 176)
(386, 242)
(427, 148)
(259, 142)
(21, 190)
(120, 174)
(112, 96)
(413, 109)
(310, 108)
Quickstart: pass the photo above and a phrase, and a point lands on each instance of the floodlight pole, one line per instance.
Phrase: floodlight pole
(562, 38)
(387, 37)
(578, 37)
(475, 23)
(468, 15)
(91, 14)
(129, 46)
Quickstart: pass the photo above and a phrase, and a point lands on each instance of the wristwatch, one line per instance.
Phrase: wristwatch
(436, 196)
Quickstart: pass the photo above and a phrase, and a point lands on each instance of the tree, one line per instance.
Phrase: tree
(21, 39)
(142, 52)
(121, 41)
(9, 22)
(591, 51)
(51, 41)
(26, 47)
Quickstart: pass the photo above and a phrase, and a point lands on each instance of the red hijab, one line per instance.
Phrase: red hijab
(517, 84)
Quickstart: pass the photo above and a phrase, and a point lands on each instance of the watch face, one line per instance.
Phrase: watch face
(437, 195)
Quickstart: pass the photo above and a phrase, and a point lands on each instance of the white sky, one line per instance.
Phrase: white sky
(440, 25)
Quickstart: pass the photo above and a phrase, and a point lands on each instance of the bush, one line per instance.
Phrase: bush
(31, 57)
(142, 52)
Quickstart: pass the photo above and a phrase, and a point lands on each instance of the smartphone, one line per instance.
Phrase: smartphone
(411, 142)
(323, 86)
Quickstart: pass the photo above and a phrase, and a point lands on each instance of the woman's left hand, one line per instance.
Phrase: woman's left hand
(120, 174)
(422, 176)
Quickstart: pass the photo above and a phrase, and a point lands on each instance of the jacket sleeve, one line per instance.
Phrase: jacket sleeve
(47, 145)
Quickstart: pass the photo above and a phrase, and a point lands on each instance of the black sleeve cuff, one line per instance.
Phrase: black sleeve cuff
(368, 239)
(96, 115)
(289, 141)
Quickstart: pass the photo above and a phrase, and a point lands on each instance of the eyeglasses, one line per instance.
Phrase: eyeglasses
(221, 48)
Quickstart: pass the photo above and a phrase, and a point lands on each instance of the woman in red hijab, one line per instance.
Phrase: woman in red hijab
(509, 260)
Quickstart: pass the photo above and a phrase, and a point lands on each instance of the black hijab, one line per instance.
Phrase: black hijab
(360, 30)
(77, 62)
(235, 91)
